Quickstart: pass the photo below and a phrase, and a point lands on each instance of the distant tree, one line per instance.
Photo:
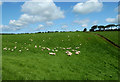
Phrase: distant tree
(99, 27)
(77, 30)
(85, 29)
(94, 27)
(110, 25)
(104, 28)
(91, 30)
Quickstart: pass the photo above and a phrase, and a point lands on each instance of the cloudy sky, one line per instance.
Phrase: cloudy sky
(31, 16)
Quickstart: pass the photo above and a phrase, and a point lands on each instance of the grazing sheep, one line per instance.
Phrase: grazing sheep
(69, 53)
(77, 47)
(68, 48)
(12, 50)
(77, 52)
(63, 48)
(73, 50)
(53, 50)
(8, 48)
(51, 53)
(35, 46)
(48, 49)
(66, 52)
(20, 50)
(56, 50)
(4, 48)
(43, 47)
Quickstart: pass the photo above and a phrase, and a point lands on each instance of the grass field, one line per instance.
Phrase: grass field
(111, 35)
(98, 60)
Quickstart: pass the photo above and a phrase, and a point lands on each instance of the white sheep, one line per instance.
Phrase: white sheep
(51, 53)
(77, 52)
(69, 53)
(20, 50)
(35, 46)
(5, 48)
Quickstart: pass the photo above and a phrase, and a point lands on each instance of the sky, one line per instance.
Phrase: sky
(30, 17)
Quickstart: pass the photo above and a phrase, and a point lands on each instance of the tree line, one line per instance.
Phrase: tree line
(103, 28)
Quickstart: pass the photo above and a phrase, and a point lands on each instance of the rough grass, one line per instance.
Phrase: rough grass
(111, 35)
(98, 60)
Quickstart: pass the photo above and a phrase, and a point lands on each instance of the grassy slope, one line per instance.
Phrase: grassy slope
(111, 35)
(97, 60)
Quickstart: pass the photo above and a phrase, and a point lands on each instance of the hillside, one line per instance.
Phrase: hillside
(26, 59)
(111, 35)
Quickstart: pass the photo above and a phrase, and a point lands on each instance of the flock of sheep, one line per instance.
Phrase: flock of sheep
(69, 51)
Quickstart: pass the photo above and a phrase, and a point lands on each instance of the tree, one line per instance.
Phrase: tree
(85, 29)
(91, 30)
(99, 27)
(104, 28)
(110, 25)
(94, 27)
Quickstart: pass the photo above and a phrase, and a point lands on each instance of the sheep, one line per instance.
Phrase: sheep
(73, 50)
(5, 48)
(77, 52)
(56, 50)
(66, 52)
(53, 50)
(48, 49)
(35, 46)
(51, 53)
(8, 48)
(69, 53)
(12, 50)
(68, 48)
(15, 47)
(20, 50)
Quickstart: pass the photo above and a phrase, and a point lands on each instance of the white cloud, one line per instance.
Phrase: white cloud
(114, 20)
(84, 25)
(35, 12)
(88, 7)
(64, 26)
(40, 27)
(41, 11)
(49, 23)
(8, 28)
(84, 21)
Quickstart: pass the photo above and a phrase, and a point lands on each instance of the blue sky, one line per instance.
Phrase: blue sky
(13, 11)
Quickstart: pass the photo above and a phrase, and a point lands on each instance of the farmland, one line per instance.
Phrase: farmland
(24, 57)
